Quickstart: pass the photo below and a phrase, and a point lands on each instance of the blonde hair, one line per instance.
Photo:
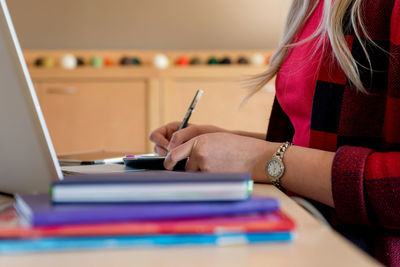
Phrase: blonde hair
(331, 27)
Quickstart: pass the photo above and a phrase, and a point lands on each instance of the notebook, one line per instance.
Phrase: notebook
(152, 186)
(15, 246)
(13, 226)
(39, 211)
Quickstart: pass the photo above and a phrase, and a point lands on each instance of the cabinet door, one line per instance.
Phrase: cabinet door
(94, 116)
(219, 105)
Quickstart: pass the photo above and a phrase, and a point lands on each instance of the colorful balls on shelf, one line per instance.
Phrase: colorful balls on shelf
(80, 61)
(182, 61)
(125, 61)
(225, 61)
(195, 61)
(243, 61)
(161, 61)
(268, 59)
(68, 61)
(97, 62)
(49, 62)
(38, 62)
(258, 59)
(108, 62)
(212, 61)
(136, 61)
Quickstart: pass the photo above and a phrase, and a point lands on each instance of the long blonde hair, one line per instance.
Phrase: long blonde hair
(331, 28)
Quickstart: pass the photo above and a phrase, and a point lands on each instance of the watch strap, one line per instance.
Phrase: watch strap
(282, 149)
(278, 155)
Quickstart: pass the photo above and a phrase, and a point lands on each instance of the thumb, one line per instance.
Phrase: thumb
(179, 153)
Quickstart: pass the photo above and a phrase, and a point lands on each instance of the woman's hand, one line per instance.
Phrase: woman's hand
(168, 137)
(223, 152)
(307, 171)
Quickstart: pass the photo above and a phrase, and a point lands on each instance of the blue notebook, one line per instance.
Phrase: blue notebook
(50, 244)
(38, 210)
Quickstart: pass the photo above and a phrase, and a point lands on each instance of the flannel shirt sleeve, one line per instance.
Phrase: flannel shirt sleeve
(365, 183)
(366, 187)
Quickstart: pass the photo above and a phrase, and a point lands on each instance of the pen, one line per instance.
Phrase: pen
(189, 112)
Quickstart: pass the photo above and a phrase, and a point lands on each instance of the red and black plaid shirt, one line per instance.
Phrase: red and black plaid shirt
(363, 129)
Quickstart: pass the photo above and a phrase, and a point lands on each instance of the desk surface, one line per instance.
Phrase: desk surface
(315, 245)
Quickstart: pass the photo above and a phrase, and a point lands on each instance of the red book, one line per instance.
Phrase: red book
(13, 226)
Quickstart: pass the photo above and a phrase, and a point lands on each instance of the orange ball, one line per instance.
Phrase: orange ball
(268, 59)
(108, 62)
(182, 61)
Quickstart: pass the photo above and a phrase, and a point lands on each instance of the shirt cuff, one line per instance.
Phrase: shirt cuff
(348, 184)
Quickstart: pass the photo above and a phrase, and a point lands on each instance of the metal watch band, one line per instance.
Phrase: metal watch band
(279, 154)
(282, 149)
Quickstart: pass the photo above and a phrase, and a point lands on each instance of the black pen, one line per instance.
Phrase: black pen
(189, 112)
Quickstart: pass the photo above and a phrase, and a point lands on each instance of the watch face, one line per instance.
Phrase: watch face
(275, 168)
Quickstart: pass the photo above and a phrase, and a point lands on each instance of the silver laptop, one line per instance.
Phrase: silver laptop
(28, 162)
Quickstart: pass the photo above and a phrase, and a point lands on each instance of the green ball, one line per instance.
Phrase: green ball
(212, 61)
(97, 62)
(136, 61)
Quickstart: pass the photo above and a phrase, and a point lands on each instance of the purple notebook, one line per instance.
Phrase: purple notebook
(39, 211)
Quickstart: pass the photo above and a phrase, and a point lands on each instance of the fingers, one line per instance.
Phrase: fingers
(160, 150)
(182, 136)
(162, 135)
(159, 139)
(181, 152)
(192, 163)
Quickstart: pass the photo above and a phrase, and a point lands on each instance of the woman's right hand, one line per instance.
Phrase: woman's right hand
(168, 137)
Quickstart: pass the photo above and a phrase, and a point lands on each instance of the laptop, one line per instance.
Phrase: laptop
(28, 162)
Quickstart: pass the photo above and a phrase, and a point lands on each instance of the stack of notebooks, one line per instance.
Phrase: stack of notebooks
(143, 209)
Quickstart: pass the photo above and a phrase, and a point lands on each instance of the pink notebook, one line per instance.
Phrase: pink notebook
(13, 226)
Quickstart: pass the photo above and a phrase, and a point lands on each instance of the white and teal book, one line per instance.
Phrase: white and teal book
(17, 246)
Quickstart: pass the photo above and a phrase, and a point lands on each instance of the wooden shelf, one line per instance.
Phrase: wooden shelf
(143, 96)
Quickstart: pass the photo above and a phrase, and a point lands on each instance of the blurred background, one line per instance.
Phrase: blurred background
(107, 73)
(150, 24)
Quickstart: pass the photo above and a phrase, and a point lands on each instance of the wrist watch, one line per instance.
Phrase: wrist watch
(275, 167)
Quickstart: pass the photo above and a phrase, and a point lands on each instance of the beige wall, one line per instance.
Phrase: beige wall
(148, 24)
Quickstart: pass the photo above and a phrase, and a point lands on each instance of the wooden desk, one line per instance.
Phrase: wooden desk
(315, 245)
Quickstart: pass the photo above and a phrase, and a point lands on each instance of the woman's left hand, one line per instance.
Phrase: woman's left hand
(222, 152)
